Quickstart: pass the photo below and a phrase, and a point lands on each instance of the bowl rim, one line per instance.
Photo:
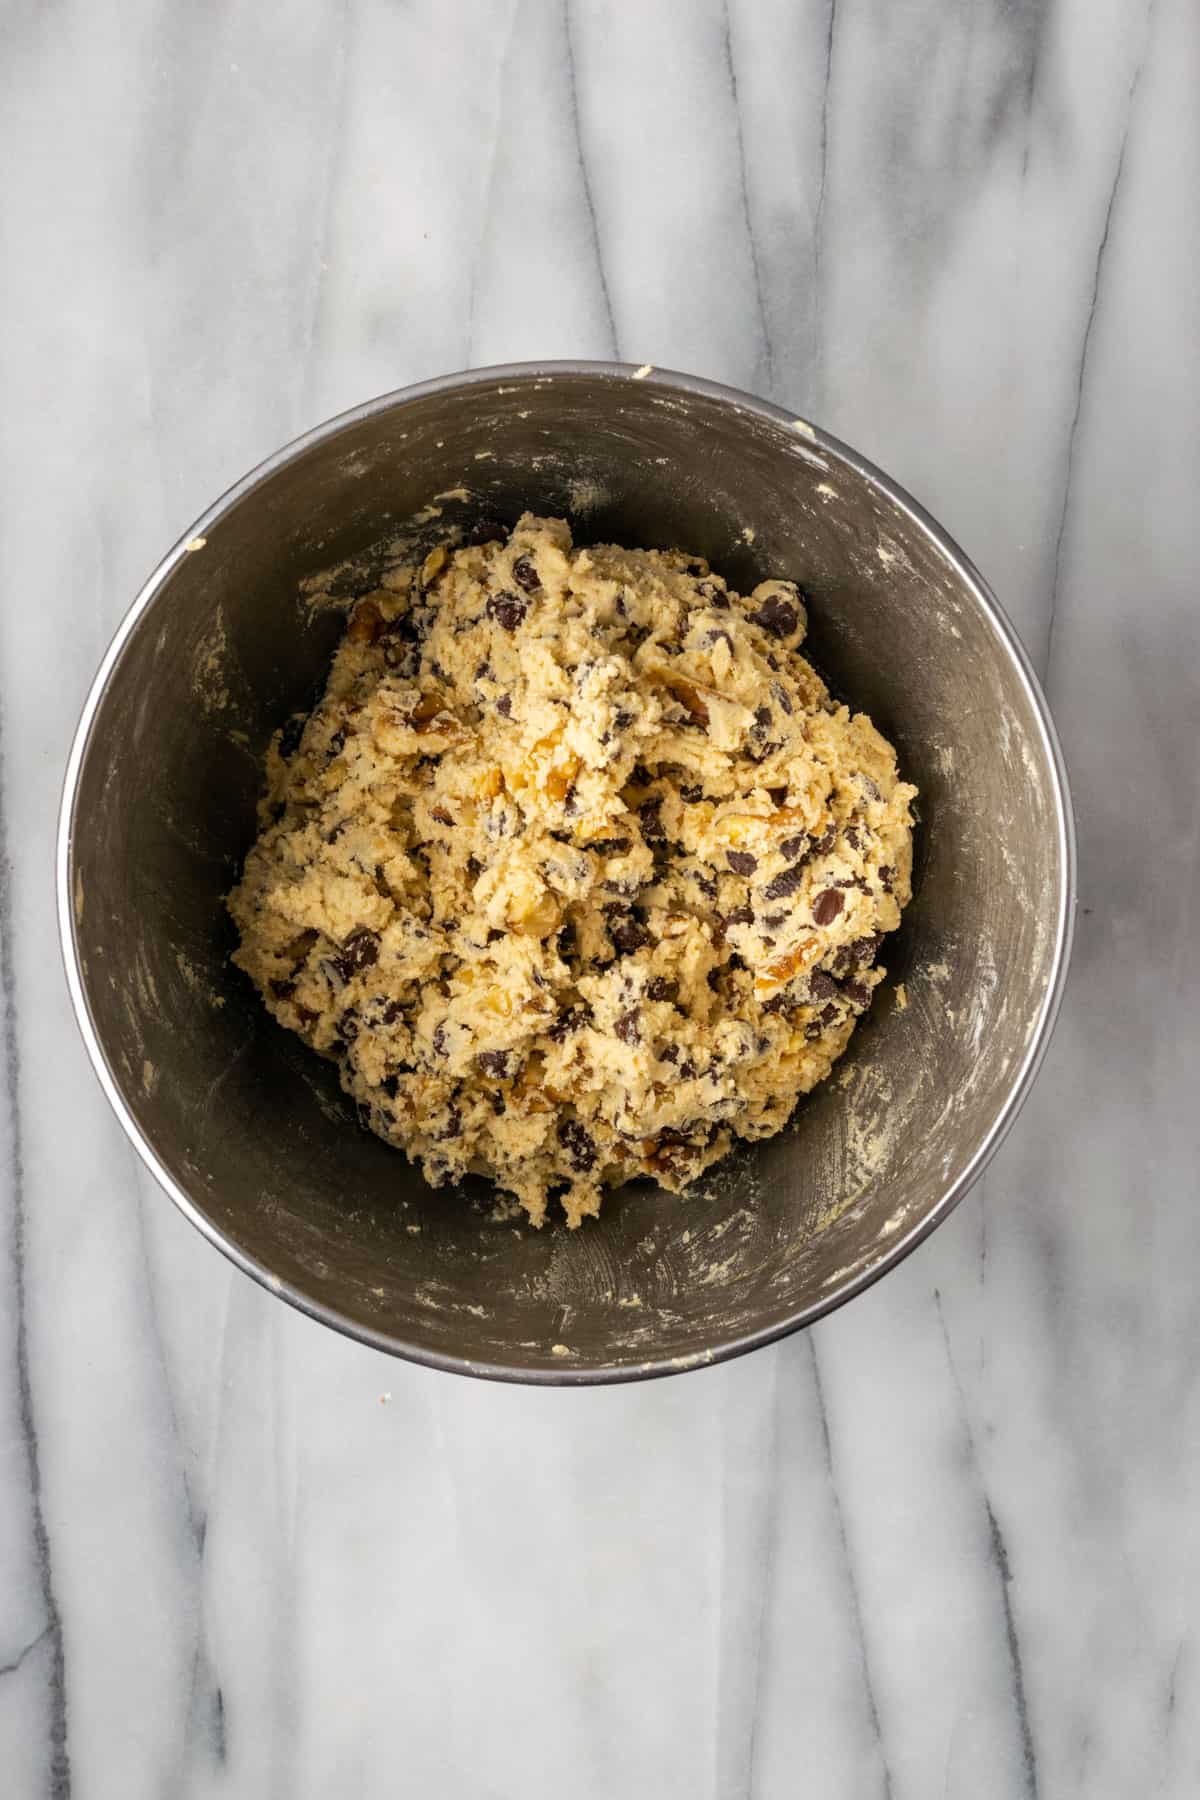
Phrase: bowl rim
(568, 1375)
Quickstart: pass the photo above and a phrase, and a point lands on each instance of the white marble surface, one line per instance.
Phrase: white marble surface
(947, 1544)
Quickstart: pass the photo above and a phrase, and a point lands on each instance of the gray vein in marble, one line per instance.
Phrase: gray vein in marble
(502, 61)
(855, 1602)
(329, 171)
(767, 358)
(1036, 13)
(10, 1668)
(206, 1733)
(59, 1765)
(818, 236)
(998, 1550)
(1086, 339)
(585, 179)
(195, 1515)
(769, 1475)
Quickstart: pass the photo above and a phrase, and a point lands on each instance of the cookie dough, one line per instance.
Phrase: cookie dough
(576, 870)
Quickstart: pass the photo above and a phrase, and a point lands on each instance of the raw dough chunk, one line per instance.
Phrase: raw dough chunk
(576, 869)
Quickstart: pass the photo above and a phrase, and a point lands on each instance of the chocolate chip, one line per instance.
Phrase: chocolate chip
(822, 986)
(829, 1013)
(691, 793)
(494, 1063)
(827, 905)
(852, 837)
(793, 847)
(886, 877)
(289, 737)
(566, 942)
(705, 883)
(857, 994)
(408, 627)
(474, 868)
(569, 1020)
(778, 795)
(581, 1151)
(762, 717)
(453, 1126)
(782, 697)
(525, 575)
(648, 817)
(392, 1011)
(784, 884)
(487, 531)
(824, 844)
(778, 1003)
(348, 1025)
(504, 706)
(661, 989)
(628, 937)
(507, 609)
(609, 846)
(439, 1039)
(865, 949)
(719, 637)
(337, 743)
(773, 921)
(359, 951)
(626, 1027)
(741, 915)
(715, 596)
(741, 862)
(776, 615)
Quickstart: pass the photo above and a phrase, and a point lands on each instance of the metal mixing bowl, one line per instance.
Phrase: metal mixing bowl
(249, 1132)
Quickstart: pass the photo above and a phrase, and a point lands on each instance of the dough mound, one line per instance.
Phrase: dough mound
(576, 869)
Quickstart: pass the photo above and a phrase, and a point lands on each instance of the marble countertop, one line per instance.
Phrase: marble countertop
(947, 1543)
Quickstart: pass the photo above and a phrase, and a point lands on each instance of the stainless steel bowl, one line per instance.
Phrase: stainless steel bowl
(249, 1133)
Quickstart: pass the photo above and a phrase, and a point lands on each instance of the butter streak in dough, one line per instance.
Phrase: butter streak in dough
(576, 869)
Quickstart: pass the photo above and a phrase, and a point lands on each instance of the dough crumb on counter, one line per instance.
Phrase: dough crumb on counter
(576, 870)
